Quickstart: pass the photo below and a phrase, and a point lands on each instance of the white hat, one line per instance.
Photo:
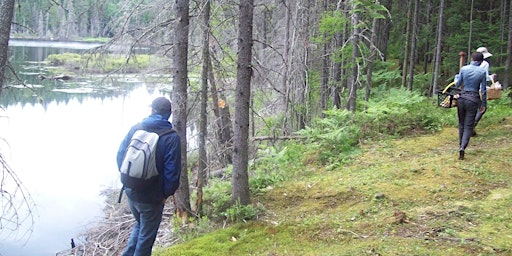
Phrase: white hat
(484, 51)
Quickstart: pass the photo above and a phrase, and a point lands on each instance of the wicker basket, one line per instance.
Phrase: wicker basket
(493, 93)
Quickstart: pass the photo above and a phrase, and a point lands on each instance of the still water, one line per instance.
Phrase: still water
(63, 151)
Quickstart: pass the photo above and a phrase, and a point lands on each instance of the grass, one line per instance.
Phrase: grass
(407, 196)
(96, 63)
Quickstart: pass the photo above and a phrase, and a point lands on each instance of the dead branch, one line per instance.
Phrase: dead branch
(16, 204)
(273, 138)
(110, 235)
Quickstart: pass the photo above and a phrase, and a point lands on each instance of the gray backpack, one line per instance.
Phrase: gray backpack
(138, 169)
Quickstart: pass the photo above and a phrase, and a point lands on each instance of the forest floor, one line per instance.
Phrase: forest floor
(408, 196)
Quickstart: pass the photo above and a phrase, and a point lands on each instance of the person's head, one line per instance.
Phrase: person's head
(477, 56)
(161, 106)
(484, 51)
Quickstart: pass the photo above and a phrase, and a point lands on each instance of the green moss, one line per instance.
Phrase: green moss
(408, 196)
(96, 63)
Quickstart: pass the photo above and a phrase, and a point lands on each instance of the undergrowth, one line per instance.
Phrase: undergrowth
(384, 181)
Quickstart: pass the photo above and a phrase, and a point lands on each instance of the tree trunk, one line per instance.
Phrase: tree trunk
(324, 94)
(336, 74)
(503, 27)
(406, 47)
(301, 56)
(203, 118)
(382, 30)
(240, 179)
(352, 92)
(371, 58)
(426, 50)
(345, 67)
(412, 58)
(286, 59)
(179, 100)
(7, 11)
(324, 91)
(224, 131)
(438, 60)
(506, 80)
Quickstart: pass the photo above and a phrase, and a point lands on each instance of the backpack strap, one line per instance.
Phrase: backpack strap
(160, 133)
(164, 132)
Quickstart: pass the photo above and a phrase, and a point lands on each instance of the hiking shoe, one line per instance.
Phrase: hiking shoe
(461, 154)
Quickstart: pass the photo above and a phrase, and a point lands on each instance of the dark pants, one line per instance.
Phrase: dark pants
(466, 111)
(479, 116)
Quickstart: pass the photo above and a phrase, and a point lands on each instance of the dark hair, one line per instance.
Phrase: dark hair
(477, 56)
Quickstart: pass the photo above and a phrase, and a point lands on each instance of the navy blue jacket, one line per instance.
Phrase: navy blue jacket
(168, 161)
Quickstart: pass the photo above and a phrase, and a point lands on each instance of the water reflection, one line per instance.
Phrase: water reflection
(26, 86)
(63, 137)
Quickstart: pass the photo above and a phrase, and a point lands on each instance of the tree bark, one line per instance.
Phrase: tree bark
(506, 80)
(406, 47)
(382, 30)
(413, 40)
(324, 91)
(224, 131)
(7, 11)
(179, 99)
(203, 117)
(286, 62)
(371, 58)
(240, 178)
(438, 60)
(336, 75)
(352, 92)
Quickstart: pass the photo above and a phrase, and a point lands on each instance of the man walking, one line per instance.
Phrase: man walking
(473, 77)
(147, 204)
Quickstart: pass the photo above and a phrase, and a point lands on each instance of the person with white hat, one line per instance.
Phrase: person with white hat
(485, 65)
(484, 51)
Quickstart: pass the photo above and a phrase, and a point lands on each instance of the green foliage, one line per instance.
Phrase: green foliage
(264, 177)
(371, 9)
(270, 168)
(498, 108)
(217, 198)
(399, 112)
(386, 74)
(218, 204)
(332, 23)
(64, 58)
(390, 112)
(239, 213)
(194, 228)
(334, 134)
(101, 63)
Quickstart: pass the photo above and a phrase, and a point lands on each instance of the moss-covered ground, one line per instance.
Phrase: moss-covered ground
(408, 196)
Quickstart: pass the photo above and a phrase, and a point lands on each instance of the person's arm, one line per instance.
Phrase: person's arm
(172, 165)
(483, 90)
(458, 82)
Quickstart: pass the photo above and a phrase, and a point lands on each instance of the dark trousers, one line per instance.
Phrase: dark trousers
(466, 111)
(479, 116)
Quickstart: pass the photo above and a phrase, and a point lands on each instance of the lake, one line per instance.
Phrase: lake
(61, 141)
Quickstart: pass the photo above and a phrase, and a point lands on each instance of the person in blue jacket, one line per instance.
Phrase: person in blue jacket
(473, 98)
(147, 205)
